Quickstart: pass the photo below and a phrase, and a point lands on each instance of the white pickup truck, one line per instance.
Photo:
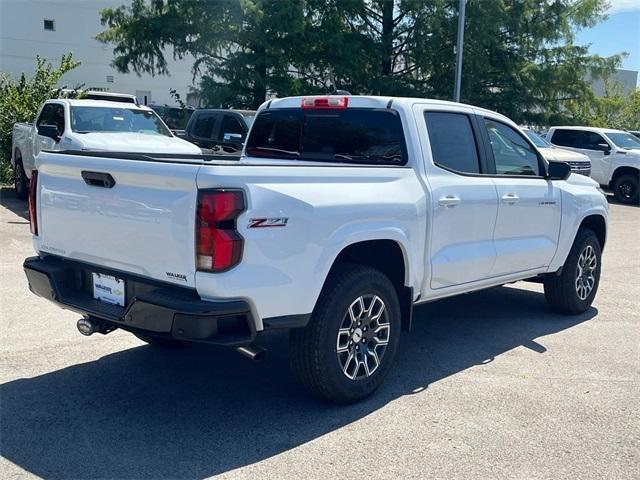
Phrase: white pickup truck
(90, 125)
(341, 215)
(614, 155)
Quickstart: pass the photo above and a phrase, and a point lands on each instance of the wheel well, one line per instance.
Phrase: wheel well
(623, 171)
(598, 225)
(386, 256)
(17, 154)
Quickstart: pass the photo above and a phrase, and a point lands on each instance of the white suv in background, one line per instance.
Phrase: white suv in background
(614, 154)
(578, 162)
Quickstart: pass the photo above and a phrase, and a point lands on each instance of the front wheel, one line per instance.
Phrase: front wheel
(348, 347)
(20, 180)
(625, 189)
(573, 291)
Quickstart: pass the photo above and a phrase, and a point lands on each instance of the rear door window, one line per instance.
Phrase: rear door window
(203, 125)
(453, 145)
(365, 136)
(564, 138)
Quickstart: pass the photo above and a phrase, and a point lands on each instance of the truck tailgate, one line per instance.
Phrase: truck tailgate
(143, 224)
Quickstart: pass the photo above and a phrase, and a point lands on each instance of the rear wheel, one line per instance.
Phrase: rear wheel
(348, 347)
(573, 291)
(625, 189)
(20, 180)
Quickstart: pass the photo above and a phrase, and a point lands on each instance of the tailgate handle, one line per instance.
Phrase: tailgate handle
(98, 179)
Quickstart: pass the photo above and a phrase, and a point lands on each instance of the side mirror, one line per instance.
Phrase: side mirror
(605, 147)
(50, 131)
(558, 171)
(232, 137)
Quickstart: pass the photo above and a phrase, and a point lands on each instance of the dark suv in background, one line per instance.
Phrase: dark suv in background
(219, 131)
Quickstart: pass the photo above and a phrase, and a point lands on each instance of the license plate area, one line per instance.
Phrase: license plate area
(109, 289)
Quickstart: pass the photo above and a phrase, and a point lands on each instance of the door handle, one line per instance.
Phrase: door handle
(98, 179)
(510, 198)
(449, 201)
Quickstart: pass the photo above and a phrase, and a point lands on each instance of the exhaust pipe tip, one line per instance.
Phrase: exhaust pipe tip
(87, 327)
(251, 351)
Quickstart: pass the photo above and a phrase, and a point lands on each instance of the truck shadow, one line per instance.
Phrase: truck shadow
(193, 413)
(9, 200)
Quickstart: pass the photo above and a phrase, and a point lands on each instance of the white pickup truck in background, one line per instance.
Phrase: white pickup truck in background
(90, 125)
(614, 155)
(341, 215)
(578, 162)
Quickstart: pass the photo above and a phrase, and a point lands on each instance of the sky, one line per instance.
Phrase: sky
(619, 33)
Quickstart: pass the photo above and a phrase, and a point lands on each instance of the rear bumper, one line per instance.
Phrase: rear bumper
(151, 308)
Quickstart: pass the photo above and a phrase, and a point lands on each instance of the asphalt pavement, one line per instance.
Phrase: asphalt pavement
(488, 385)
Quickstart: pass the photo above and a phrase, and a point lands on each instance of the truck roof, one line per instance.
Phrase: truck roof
(372, 101)
(589, 129)
(97, 103)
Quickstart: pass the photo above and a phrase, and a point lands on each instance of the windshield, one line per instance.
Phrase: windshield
(536, 139)
(108, 119)
(624, 140)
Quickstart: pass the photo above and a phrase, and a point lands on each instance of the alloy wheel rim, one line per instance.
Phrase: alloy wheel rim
(363, 337)
(626, 189)
(585, 273)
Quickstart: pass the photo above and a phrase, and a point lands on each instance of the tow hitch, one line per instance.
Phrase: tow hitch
(88, 326)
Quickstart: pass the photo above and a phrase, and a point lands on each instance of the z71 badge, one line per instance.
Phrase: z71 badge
(268, 222)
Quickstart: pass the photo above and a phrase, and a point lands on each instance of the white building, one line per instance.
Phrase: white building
(627, 79)
(51, 28)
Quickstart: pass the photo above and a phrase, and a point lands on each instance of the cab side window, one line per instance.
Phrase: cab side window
(564, 138)
(57, 118)
(46, 117)
(589, 141)
(230, 125)
(453, 145)
(203, 127)
(513, 155)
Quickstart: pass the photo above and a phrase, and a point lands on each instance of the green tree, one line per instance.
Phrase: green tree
(240, 47)
(519, 56)
(615, 109)
(20, 101)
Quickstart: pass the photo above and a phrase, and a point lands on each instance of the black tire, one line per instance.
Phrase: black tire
(625, 189)
(160, 341)
(20, 180)
(313, 350)
(562, 291)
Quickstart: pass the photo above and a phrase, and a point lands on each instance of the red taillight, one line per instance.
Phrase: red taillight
(325, 103)
(33, 191)
(218, 243)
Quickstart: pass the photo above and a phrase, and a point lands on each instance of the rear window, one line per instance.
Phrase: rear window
(365, 136)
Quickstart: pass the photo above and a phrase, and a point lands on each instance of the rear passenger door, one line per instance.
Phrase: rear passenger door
(464, 202)
(529, 208)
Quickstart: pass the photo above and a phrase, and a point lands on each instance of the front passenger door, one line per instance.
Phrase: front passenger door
(529, 205)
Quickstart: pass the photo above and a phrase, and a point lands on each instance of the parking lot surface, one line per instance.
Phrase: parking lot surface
(488, 385)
